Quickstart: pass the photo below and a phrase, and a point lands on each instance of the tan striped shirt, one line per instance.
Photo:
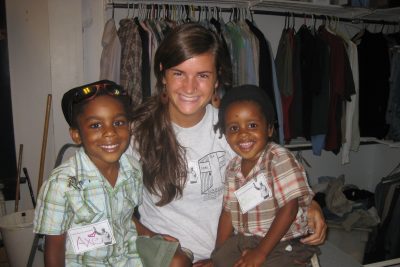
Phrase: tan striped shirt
(286, 180)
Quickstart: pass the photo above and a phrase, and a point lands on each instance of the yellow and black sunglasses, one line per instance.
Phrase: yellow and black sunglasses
(87, 92)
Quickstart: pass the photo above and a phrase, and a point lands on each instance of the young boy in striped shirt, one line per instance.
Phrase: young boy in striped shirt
(266, 194)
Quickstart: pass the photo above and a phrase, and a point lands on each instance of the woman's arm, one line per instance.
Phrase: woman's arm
(140, 228)
(225, 230)
(54, 250)
(316, 222)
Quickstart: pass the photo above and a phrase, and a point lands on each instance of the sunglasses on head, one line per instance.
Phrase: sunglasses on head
(88, 92)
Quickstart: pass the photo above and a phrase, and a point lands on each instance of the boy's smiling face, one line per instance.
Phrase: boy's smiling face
(246, 130)
(103, 130)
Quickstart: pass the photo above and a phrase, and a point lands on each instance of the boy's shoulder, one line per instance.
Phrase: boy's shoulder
(277, 150)
(64, 171)
(130, 162)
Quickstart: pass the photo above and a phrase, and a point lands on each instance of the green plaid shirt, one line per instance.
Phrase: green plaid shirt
(77, 194)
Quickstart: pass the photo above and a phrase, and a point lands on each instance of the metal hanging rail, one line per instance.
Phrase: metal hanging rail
(254, 10)
(324, 17)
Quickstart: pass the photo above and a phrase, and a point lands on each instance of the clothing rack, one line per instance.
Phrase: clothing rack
(324, 17)
(269, 12)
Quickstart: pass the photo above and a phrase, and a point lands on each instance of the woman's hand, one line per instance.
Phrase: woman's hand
(169, 238)
(203, 263)
(316, 222)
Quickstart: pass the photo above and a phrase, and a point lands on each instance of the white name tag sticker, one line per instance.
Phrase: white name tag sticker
(252, 194)
(92, 236)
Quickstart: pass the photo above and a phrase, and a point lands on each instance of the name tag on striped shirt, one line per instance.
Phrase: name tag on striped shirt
(92, 236)
(252, 194)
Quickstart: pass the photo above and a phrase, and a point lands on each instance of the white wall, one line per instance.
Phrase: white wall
(55, 45)
(45, 55)
(30, 75)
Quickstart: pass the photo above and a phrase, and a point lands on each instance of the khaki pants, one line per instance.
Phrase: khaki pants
(232, 249)
(155, 251)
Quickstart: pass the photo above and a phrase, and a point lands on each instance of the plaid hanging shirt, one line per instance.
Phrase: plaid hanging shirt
(131, 59)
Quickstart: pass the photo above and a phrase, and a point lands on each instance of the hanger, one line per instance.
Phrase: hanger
(305, 19)
(285, 25)
(314, 22)
(361, 32)
(250, 12)
(192, 11)
(129, 7)
(133, 10)
(383, 26)
(181, 13)
(328, 26)
(293, 21)
(142, 12)
(113, 8)
(187, 11)
(219, 17)
(213, 19)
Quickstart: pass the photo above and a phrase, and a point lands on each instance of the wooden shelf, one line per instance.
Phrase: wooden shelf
(301, 143)
(387, 14)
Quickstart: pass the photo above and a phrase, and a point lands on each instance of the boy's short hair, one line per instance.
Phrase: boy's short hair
(80, 94)
(246, 92)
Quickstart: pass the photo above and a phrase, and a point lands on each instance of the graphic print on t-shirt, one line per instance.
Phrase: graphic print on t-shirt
(209, 171)
(193, 171)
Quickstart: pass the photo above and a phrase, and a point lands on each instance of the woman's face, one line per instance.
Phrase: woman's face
(190, 86)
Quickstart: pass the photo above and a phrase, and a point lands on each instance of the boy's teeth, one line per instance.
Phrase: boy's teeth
(109, 146)
(246, 145)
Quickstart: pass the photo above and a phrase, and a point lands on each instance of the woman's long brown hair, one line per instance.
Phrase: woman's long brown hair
(162, 157)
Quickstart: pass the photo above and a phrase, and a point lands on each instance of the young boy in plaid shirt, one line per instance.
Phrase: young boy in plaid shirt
(266, 194)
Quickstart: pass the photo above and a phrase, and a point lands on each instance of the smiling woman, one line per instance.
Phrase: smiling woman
(182, 157)
(187, 87)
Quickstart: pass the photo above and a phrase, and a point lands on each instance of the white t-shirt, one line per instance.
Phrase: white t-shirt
(193, 218)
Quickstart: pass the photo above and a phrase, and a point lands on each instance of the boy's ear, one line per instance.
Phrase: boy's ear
(75, 136)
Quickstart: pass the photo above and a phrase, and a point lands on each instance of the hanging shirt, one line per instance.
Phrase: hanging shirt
(341, 88)
(352, 134)
(131, 59)
(110, 62)
(374, 69)
(284, 72)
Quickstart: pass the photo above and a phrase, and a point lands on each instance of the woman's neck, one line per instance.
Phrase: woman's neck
(187, 121)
